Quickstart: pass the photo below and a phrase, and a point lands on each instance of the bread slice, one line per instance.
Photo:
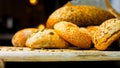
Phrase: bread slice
(108, 32)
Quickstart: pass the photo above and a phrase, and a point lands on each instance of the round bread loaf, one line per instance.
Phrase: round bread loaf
(21, 36)
(82, 15)
(47, 38)
(108, 32)
(79, 37)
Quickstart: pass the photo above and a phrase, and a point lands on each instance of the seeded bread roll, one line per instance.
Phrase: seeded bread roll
(47, 38)
(21, 36)
(81, 15)
(73, 34)
(92, 29)
(108, 32)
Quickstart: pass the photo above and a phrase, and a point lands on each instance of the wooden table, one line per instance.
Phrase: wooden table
(24, 54)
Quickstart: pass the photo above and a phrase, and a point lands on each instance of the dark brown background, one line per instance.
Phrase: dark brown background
(24, 15)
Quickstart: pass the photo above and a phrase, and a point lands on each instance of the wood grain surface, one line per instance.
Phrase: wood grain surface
(24, 54)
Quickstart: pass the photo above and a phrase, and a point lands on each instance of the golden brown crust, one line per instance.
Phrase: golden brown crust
(21, 36)
(47, 38)
(92, 30)
(106, 44)
(108, 32)
(82, 15)
(73, 34)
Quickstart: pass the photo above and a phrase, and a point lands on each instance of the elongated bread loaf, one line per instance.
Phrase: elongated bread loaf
(81, 15)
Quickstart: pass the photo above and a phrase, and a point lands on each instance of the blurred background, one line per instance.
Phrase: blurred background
(19, 14)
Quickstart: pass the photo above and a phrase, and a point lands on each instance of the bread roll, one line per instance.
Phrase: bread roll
(21, 36)
(108, 32)
(81, 15)
(47, 38)
(73, 34)
(92, 29)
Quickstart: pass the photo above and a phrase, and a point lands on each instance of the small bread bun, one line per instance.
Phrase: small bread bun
(73, 34)
(92, 30)
(47, 38)
(21, 36)
(108, 32)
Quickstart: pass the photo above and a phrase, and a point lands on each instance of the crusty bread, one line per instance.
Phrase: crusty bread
(47, 38)
(81, 15)
(21, 36)
(73, 34)
(108, 32)
(92, 29)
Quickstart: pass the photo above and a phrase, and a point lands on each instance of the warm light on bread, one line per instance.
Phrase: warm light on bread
(81, 15)
(21, 36)
(73, 34)
(47, 38)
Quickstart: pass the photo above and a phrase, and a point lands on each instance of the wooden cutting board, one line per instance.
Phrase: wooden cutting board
(24, 54)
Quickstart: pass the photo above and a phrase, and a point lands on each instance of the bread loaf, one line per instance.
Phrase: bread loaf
(21, 36)
(47, 38)
(81, 15)
(79, 37)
